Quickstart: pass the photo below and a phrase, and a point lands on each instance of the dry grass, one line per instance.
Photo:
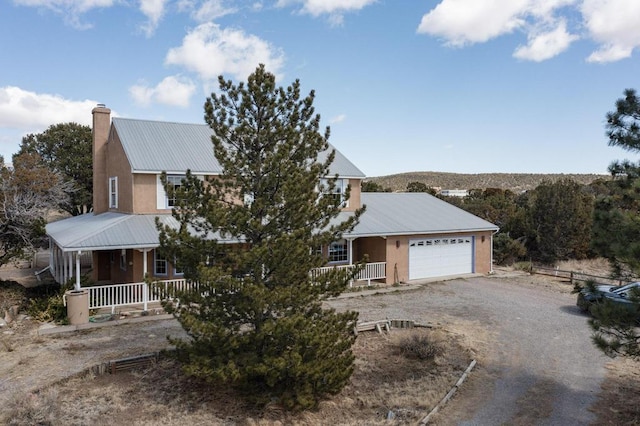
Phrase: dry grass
(387, 381)
(599, 266)
(620, 397)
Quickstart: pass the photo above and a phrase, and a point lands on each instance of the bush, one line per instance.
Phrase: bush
(506, 250)
(46, 303)
(421, 346)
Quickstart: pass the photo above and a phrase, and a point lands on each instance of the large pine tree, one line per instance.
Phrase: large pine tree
(616, 232)
(251, 238)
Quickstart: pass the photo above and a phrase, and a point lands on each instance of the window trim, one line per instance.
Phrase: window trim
(157, 258)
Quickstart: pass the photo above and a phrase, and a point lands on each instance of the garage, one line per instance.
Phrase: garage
(438, 257)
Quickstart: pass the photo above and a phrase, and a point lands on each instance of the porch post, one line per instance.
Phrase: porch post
(51, 248)
(350, 250)
(77, 288)
(145, 267)
(70, 266)
(145, 289)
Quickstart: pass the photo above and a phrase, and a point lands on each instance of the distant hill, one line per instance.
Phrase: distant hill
(516, 182)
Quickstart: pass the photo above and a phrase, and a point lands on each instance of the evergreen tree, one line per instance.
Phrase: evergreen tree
(369, 186)
(616, 232)
(257, 321)
(65, 149)
(560, 215)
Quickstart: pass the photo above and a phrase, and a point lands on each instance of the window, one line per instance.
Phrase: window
(338, 251)
(177, 270)
(175, 182)
(338, 191)
(113, 192)
(160, 264)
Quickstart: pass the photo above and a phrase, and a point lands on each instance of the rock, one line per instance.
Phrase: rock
(3, 323)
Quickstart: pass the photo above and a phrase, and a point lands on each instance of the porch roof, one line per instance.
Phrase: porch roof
(107, 231)
(412, 213)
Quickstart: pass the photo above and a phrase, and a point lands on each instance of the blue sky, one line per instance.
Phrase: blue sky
(466, 86)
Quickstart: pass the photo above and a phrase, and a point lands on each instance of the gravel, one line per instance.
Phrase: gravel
(537, 351)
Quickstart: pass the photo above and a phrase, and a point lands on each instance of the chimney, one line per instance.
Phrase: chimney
(101, 126)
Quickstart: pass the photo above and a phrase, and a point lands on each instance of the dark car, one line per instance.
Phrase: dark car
(627, 297)
(618, 293)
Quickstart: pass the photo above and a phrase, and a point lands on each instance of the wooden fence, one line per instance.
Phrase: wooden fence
(575, 276)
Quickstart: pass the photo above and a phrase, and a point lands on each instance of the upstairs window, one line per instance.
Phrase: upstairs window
(338, 251)
(175, 182)
(113, 192)
(338, 191)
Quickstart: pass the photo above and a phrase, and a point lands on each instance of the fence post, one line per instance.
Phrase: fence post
(145, 295)
(571, 278)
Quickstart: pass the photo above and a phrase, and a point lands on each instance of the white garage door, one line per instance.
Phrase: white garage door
(438, 257)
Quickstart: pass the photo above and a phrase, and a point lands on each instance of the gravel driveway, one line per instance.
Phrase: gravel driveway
(537, 364)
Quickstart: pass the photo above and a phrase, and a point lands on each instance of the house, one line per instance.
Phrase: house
(407, 236)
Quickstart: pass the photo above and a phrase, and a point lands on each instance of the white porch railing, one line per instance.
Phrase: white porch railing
(371, 271)
(111, 296)
(130, 294)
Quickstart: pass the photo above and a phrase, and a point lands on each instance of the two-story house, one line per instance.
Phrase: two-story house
(407, 236)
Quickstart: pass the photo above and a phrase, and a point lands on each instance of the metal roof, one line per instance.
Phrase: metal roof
(156, 146)
(107, 231)
(413, 213)
(386, 214)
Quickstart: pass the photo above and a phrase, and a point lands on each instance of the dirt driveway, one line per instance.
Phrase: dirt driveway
(536, 363)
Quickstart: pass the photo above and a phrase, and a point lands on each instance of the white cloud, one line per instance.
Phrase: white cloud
(72, 10)
(462, 22)
(31, 112)
(173, 91)
(546, 44)
(154, 11)
(210, 51)
(615, 25)
(335, 9)
(211, 10)
(338, 119)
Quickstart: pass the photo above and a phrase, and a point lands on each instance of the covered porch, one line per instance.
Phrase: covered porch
(118, 252)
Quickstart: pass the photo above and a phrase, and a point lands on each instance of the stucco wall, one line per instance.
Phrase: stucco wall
(374, 247)
(145, 193)
(118, 165)
(354, 195)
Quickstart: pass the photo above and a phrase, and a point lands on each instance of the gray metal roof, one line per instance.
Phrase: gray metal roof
(413, 213)
(387, 214)
(107, 231)
(156, 146)
(112, 230)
